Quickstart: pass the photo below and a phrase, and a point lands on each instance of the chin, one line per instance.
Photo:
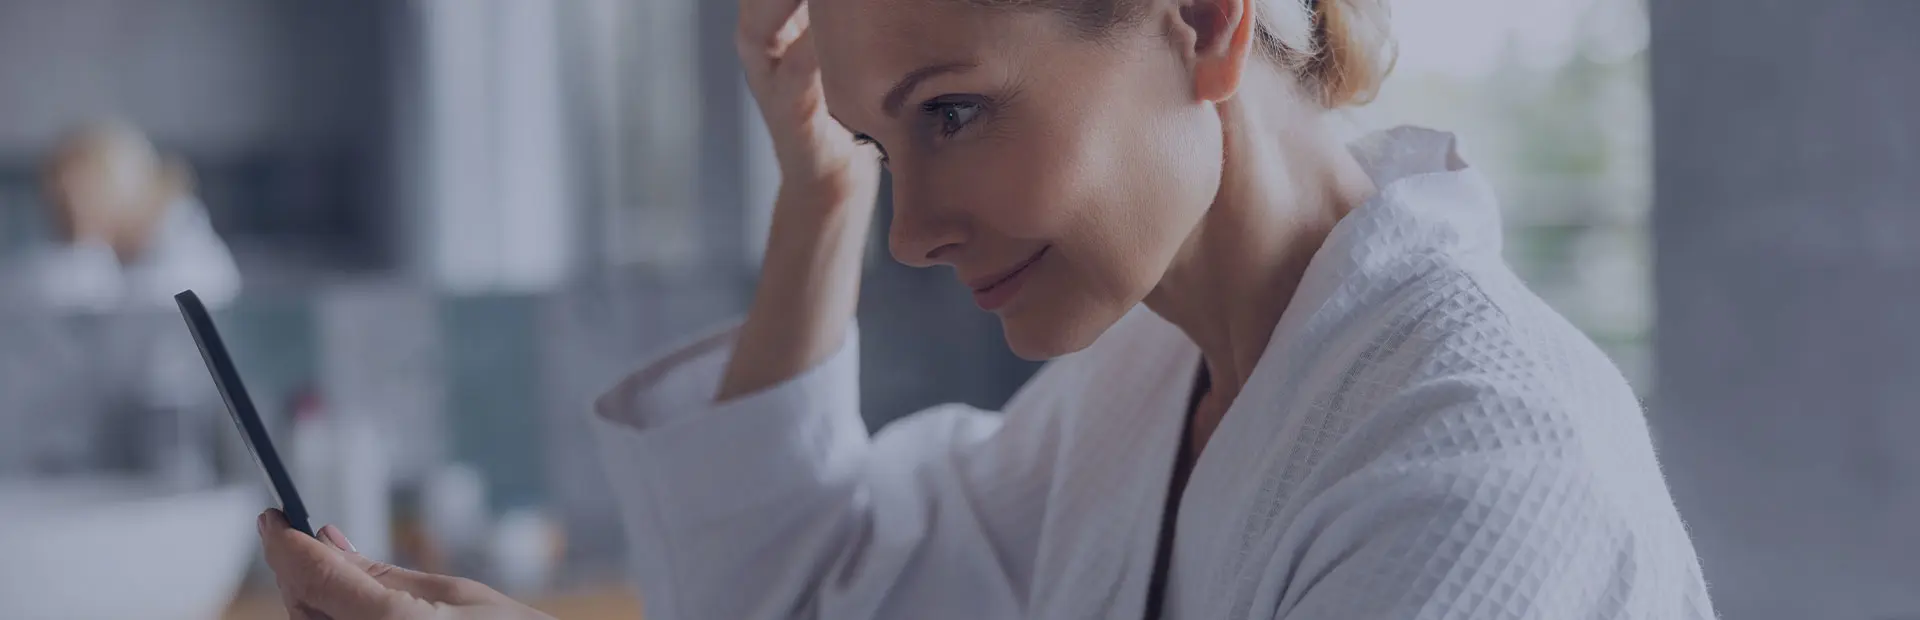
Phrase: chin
(1040, 334)
(1039, 349)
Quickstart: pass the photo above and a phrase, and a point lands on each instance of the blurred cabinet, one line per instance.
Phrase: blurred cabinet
(649, 80)
(382, 354)
(680, 172)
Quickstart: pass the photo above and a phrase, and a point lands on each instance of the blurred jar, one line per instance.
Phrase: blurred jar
(453, 509)
(523, 550)
(339, 461)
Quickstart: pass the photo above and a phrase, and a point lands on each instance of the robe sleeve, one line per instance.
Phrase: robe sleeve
(1475, 515)
(186, 253)
(778, 504)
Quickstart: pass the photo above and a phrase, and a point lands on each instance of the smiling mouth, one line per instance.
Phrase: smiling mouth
(995, 281)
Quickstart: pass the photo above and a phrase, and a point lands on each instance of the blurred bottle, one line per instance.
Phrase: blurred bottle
(523, 549)
(454, 513)
(340, 465)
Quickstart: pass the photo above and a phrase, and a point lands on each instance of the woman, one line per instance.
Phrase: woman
(129, 231)
(1336, 403)
(92, 357)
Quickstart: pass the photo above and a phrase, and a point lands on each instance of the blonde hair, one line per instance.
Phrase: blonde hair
(120, 158)
(1340, 49)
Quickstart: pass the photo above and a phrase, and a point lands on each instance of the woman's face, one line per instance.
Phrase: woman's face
(1057, 175)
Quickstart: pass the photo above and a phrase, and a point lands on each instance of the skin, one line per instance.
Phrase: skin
(106, 183)
(1162, 163)
(327, 579)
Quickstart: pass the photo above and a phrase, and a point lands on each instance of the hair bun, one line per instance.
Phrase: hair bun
(1353, 50)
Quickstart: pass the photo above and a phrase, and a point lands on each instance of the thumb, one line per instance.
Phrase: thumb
(315, 575)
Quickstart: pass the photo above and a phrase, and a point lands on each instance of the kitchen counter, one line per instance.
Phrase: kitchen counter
(609, 602)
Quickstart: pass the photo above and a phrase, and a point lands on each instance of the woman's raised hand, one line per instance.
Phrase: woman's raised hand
(810, 276)
(819, 162)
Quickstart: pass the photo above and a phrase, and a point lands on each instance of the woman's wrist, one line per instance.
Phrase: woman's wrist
(809, 283)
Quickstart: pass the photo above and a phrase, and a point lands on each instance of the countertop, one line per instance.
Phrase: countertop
(610, 602)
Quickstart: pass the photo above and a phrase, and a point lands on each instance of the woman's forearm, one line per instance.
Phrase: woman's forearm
(809, 286)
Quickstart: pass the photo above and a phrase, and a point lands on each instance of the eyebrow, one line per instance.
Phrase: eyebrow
(896, 95)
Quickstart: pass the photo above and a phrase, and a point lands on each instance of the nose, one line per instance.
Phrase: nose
(923, 233)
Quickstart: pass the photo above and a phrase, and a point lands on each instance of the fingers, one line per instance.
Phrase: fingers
(801, 61)
(790, 31)
(299, 611)
(315, 577)
(767, 31)
(337, 538)
(329, 580)
(426, 586)
(762, 23)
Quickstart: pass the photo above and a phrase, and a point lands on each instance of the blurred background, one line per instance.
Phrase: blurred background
(434, 230)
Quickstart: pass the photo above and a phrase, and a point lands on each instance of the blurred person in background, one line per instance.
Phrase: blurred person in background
(100, 376)
(129, 232)
(1291, 376)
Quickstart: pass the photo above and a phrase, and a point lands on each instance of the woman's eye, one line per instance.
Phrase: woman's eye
(953, 116)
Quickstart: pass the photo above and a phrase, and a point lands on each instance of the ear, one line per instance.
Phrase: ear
(1216, 38)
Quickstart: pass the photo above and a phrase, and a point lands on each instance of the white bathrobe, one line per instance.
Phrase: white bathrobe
(91, 348)
(87, 276)
(1422, 438)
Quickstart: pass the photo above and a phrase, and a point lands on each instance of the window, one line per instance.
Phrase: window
(492, 158)
(1549, 99)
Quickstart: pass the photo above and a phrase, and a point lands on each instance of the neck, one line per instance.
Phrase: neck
(1280, 196)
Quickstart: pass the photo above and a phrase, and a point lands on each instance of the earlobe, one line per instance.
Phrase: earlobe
(1222, 32)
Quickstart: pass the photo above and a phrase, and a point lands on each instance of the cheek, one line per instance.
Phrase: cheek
(1013, 185)
(1117, 197)
(1139, 180)
(1020, 176)
(1082, 175)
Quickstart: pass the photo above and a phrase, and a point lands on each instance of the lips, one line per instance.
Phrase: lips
(987, 283)
(996, 290)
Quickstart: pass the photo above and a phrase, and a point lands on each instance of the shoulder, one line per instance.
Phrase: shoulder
(1461, 369)
(1482, 433)
(1466, 359)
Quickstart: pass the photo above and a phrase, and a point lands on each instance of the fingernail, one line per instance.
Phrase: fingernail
(260, 522)
(337, 539)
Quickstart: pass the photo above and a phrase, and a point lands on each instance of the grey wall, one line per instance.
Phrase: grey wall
(208, 75)
(1787, 236)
